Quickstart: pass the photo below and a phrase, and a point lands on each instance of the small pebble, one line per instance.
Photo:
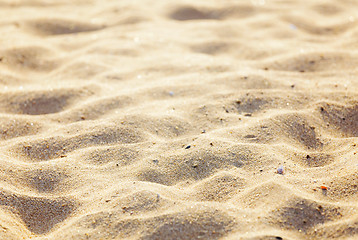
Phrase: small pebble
(280, 170)
(195, 165)
(187, 147)
(171, 93)
(293, 26)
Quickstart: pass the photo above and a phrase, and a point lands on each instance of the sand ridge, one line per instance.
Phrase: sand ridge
(169, 119)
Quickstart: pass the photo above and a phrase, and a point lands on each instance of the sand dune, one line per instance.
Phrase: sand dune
(169, 119)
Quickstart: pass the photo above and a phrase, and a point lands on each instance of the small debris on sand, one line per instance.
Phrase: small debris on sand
(280, 170)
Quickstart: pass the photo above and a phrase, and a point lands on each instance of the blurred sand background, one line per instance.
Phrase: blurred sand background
(139, 119)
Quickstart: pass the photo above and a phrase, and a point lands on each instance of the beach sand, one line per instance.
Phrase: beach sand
(140, 119)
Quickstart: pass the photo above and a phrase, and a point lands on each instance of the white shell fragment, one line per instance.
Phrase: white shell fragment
(280, 170)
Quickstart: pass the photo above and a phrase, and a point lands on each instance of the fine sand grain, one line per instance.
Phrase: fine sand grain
(156, 119)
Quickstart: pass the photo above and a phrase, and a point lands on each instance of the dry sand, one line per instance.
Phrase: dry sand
(140, 119)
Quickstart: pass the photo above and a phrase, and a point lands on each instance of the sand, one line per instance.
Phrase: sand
(140, 119)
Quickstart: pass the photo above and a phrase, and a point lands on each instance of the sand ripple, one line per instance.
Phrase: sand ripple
(168, 120)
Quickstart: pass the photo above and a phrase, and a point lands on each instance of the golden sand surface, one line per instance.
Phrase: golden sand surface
(207, 119)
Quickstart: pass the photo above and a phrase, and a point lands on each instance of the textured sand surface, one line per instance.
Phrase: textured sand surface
(139, 119)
